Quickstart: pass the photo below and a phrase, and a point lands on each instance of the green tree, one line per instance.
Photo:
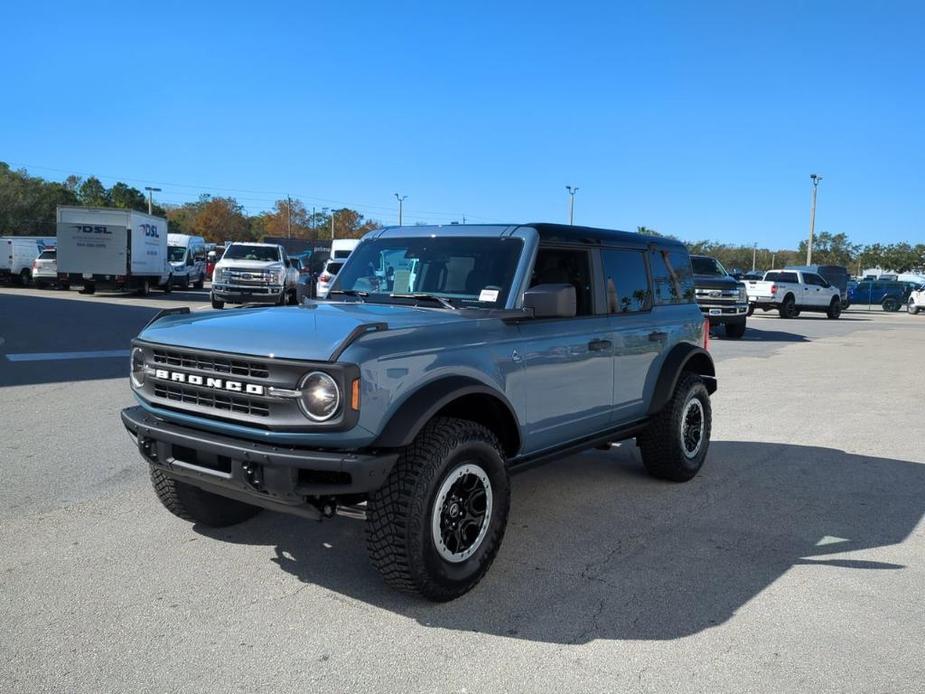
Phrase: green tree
(92, 193)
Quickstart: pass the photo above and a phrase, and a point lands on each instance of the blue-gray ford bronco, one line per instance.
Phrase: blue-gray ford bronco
(444, 359)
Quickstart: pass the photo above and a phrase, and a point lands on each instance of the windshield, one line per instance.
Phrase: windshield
(707, 266)
(176, 254)
(333, 268)
(465, 270)
(240, 251)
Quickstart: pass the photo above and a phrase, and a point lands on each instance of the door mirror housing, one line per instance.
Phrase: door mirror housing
(551, 301)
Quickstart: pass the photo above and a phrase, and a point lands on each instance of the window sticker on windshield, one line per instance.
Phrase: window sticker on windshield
(488, 295)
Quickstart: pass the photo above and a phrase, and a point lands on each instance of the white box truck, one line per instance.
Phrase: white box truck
(112, 248)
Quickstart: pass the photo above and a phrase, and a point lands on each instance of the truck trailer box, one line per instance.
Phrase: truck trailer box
(122, 248)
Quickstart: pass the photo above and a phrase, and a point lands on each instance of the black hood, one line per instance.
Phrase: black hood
(715, 282)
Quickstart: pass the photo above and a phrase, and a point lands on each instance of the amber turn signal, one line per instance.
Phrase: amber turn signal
(355, 394)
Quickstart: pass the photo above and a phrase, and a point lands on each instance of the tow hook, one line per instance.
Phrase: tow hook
(327, 506)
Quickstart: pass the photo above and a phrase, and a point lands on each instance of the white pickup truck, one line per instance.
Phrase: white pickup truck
(793, 291)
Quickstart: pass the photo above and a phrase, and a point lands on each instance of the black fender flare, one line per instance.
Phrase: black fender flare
(683, 357)
(423, 404)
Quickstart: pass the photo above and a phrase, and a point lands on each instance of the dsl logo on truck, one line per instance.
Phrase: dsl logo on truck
(209, 382)
(91, 229)
(150, 230)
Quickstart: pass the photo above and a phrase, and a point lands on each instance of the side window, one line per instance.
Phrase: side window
(672, 277)
(626, 281)
(812, 279)
(789, 277)
(566, 266)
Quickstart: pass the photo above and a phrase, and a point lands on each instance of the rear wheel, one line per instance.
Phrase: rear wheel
(437, 523)
(144, 289)
(890, 304)
(197, 505)
(25, 278)
(788, 307)
(675, 443)
(834, 310)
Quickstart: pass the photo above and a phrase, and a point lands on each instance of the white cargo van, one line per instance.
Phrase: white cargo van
(113, 248)
(187, 257)
(16, 256)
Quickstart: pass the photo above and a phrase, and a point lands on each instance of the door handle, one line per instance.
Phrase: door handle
(599, 345)
(657, 336)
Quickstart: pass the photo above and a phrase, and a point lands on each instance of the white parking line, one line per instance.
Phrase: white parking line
(58, 356)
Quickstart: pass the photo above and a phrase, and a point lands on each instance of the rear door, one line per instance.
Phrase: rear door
(637, 341)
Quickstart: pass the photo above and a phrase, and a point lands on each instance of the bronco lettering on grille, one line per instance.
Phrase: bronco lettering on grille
(216, 383)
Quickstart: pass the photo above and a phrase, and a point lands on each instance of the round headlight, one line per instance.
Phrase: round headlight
(320, 398)
(138, 367)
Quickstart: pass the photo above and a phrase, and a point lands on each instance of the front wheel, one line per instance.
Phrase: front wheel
(911, 307)
(834, 310)
(675, 443)
(217, 304)
(735, 331)
(197, 505)
(751, 309)
(435, 526)
(890, 304)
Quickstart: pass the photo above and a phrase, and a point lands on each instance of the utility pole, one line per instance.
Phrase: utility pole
(332, 224)
(571, 203)
(289, 215)
(812, 218)
(754, 255)
(313, 224)
(773, 256)
(151, 192)
(401, 199)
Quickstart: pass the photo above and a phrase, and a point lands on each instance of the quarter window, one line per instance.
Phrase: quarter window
(626, 281)
(672, 277)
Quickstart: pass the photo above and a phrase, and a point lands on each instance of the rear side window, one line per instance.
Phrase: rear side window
(672, 277)
(788, 277)
(626, 281)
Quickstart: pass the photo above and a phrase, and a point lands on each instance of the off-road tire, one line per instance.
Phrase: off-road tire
(834, 310)
(217, 304)
(399, 538)
(788, 308)
(660, 444)
(197, 505)
(734, 331)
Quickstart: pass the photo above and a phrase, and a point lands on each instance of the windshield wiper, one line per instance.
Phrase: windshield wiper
(427, 297)
(351, 292)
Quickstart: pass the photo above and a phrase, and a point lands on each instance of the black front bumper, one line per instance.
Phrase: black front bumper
(275, 477)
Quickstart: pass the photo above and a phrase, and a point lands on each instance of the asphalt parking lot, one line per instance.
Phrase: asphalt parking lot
(794, 562)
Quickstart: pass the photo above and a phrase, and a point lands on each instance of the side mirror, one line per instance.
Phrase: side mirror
(551, 301)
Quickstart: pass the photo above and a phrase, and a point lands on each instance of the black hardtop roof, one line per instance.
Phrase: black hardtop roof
(551, 233)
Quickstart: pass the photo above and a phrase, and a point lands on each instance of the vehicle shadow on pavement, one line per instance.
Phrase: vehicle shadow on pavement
(753, 334)
(595, 549)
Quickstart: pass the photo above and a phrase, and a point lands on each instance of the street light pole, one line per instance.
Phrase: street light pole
(812, 218)
(754, 255)
(151, 192)
(401, 199)
(332, 224)
(571, 203)
(289, 215)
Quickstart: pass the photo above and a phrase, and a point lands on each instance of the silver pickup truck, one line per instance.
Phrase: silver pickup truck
(793, 291)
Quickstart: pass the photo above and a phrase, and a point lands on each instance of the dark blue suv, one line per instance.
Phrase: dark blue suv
(444, 359)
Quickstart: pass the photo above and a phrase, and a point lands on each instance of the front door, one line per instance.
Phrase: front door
(568, 362)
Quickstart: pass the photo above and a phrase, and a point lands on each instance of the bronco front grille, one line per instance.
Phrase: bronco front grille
(218, 401)
(188, 360)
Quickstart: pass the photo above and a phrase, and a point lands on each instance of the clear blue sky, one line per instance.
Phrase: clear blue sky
(698, 119)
